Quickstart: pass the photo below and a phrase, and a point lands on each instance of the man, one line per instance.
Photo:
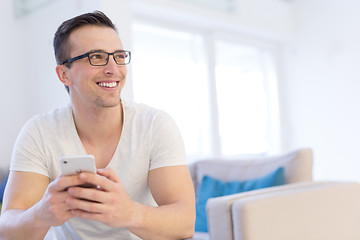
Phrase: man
(146, 191)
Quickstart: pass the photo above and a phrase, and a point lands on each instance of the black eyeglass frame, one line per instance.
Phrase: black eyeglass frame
(70, 60)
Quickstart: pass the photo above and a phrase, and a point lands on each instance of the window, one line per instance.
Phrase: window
(242, 98)
(216, 90)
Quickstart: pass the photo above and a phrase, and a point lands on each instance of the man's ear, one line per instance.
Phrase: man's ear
(62, 71)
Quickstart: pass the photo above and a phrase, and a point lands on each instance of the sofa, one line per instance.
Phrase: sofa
(298, 209)
(3, 179)
(301, 211)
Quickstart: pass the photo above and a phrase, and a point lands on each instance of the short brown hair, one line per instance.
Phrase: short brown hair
(62, 34)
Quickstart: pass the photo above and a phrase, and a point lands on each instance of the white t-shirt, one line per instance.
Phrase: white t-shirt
(149, 140)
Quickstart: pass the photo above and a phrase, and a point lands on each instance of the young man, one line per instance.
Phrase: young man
(146, 191)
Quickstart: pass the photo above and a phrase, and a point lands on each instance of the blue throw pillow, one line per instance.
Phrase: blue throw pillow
(211, 187)
(2, 188)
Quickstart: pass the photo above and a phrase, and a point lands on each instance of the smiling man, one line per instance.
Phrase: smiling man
(146, 190)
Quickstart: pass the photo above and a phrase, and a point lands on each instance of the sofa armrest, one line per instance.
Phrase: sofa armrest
(328, 211)
(219, 210)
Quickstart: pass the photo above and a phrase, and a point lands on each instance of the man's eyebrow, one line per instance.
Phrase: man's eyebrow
(96, 50)
(102, 50)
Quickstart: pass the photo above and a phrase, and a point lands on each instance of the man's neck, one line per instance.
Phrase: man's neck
(98, 124)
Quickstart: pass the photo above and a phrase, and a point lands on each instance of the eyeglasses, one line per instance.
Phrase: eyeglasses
(101, 58)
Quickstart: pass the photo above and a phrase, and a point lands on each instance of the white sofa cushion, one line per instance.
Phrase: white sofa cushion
(318, 211)
(219, 210)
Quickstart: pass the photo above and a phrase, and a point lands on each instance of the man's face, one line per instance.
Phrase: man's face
(95, 86)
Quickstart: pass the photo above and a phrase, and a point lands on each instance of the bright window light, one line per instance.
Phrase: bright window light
(171, 71)
(241, 95)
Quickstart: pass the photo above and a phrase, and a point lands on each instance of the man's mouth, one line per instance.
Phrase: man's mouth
(107, 84)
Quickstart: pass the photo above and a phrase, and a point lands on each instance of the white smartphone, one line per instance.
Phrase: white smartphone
(73, 165)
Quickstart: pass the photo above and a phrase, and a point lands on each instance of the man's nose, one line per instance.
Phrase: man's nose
(111, 66)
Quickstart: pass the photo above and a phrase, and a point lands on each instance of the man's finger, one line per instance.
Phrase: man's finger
(109, 173)
(64, 182)
(89, 194)
(99, 180)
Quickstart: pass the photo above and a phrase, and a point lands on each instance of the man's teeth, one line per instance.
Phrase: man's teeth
(109, 85)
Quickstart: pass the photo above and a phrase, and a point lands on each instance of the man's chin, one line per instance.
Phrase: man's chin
(108, 103)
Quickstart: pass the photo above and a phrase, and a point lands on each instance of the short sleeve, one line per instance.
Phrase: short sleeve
(28, 153)
(167, 146)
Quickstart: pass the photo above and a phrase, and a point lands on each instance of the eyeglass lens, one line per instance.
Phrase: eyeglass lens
(101, 58)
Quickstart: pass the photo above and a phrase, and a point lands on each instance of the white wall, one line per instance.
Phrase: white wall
(12, 79)
(269, 18)
(321, 87)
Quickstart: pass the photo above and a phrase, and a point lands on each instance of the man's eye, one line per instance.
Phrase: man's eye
(97, 56)
(120, 56)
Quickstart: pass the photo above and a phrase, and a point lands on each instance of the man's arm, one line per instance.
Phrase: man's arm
(31, 205)
(172, 189)
(23, 190)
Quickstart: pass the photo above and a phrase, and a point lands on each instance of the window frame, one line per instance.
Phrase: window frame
(211, 35)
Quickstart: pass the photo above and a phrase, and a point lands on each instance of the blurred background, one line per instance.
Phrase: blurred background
(242, 78)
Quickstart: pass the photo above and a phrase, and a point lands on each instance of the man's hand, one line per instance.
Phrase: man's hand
(52, 209)
(110, 204)
(171, 187)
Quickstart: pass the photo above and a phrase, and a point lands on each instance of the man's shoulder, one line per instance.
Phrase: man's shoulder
(144, 116)
(141, 109)
(52, 117)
